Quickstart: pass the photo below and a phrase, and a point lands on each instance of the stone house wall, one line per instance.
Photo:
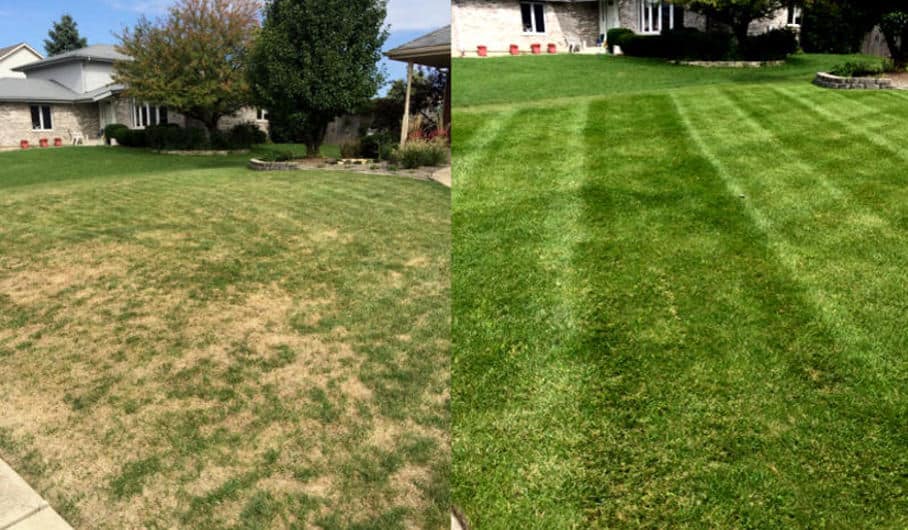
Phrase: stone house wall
(67, 119)
(497, 24)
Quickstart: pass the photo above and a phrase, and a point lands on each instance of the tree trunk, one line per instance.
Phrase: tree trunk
(740, 30)
(898, 50)
(315, 131)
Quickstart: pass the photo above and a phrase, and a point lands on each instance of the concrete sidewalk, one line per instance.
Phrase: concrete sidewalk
(23, 509)
(443, 176)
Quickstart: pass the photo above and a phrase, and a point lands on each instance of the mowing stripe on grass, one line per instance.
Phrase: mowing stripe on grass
(836, 317)
(531, 380)
(881, 142)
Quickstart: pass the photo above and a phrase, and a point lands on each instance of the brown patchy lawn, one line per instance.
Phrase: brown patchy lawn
(184, 343)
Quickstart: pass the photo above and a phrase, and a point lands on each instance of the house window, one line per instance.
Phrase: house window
(533, 15)
(261, 114)
(794, 15)
(41, 118)
(148, 115)
(656, 15)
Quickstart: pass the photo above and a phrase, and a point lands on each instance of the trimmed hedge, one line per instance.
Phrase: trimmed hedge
(692, 44)
(176, 138)
(617, 36)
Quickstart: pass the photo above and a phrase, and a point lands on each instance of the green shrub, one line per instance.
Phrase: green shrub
(773, 45)
(350, 149)
(277, 155)
(857, 69)
(378, 146)
(164, 136)
(645, 46)
(113, 130)
(616, 36)
(132, 138)
(419, 153)
(245, 135)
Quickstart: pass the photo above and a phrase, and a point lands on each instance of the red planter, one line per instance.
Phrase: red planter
(536, 48)
(515, 50)
(483, 51)
(23, 144)
(43, 142)
(58, 142)
(553, 48)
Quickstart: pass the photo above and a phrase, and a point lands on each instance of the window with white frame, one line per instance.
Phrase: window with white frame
(794, 15)
(533, 15)
(261, 114)
(41, 118)
(146, 115)
(655, 16)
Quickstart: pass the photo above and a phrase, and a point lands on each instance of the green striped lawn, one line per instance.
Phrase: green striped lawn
(679, 306)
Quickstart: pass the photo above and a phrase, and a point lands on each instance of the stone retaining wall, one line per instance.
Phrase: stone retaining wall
(827, 80)
(730, 64)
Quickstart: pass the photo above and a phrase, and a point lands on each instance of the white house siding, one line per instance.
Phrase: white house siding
(497, 24)
(16, 59)
(67, 120)
(96, 75)
(67, 74)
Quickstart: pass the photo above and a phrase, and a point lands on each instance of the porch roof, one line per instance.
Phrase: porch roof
(432, 49)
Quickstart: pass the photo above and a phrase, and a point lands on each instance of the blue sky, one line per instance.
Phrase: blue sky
(98, 20)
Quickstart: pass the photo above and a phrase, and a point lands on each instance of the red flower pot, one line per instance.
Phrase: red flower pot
(58, 142)
(536, 48)
(483, 51)
(43, 142)
(553, 48)
(23, 144)
(515, 50)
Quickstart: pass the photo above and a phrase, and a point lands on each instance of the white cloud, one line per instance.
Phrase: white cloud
(418, 14)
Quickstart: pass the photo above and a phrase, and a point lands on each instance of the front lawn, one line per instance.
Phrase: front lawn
(187, 343)
(678, 302)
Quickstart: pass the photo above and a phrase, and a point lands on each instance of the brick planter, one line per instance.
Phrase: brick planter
(827, 80)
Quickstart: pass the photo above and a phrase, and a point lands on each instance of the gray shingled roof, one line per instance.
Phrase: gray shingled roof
(432, 49)
(104, 53)
(42, 91)
(439, 37)
(38, 90)
(4, 51)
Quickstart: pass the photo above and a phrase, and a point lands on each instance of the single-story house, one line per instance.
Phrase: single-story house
(17, 55)
(72, 96)
(573, 24)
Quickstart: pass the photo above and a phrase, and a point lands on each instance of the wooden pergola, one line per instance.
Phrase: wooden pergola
(432, 49)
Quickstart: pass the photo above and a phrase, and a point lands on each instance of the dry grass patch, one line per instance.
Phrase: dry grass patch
(165, 366)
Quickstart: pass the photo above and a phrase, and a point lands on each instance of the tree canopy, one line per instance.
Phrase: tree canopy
(315, 60)
(64, 37)
(194, 59)
(737, 14)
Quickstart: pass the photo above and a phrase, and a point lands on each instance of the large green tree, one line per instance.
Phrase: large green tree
(737, 14)
(316, 60)
(194, 59)
(64, 37)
